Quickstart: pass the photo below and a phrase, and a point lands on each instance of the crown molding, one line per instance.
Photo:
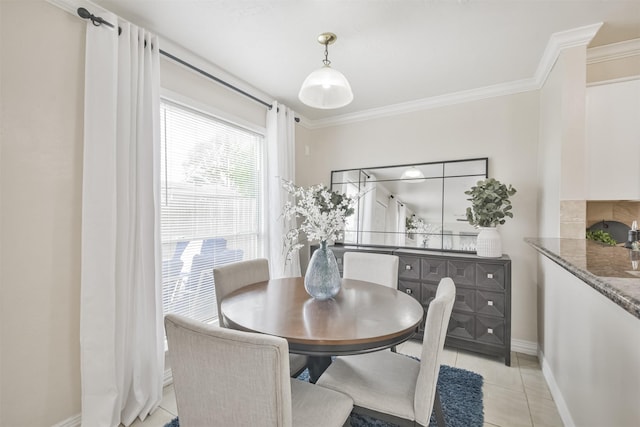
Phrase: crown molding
(581, 36)
(557, 42)
(613, 81)
(502, 89)
(613, 51)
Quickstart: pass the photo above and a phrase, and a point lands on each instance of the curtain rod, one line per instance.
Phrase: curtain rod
(97, 21)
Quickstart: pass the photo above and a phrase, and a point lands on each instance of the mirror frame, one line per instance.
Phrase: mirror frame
(436, 237)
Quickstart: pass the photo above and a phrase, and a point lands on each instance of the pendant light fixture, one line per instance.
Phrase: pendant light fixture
(413, 174)
(326, 87)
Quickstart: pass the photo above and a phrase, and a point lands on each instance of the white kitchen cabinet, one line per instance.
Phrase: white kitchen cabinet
(613, 141)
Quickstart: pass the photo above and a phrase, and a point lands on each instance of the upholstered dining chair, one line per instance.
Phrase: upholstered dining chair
(393, 387)
(371, 267)
(229, 277)
(224, 377)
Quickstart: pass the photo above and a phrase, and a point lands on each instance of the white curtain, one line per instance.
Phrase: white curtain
(402, 225)
(391, 226)
(368, 211)
(121, 333)
(281, 166)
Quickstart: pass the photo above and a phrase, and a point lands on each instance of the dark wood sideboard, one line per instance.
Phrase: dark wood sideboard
(481, 317)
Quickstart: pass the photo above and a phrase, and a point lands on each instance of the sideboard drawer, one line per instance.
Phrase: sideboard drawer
(464, 302)
(490, 276)
(433, 269)
(490, 303)
(409, 267)
(428, 293)
(490, 330)
(461, 326)
(410, 288)
(462, 272)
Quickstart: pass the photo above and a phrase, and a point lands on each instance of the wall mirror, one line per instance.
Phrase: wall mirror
(418, 205)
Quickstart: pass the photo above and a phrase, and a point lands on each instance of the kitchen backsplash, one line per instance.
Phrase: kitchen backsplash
(622, 211)
(577, 215)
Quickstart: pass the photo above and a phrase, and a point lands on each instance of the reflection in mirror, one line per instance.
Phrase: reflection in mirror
(417, 205)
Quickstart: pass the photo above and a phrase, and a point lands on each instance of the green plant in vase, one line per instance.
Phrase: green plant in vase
(601, 236)
(490, 207)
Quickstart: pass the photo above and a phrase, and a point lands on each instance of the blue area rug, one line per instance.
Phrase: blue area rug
(460, 393)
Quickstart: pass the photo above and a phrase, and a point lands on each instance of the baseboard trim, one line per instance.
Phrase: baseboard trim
(168, 378)
(563, 409)
(76, 420)
(526, 347)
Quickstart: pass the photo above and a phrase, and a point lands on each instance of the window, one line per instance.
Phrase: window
(212, 205)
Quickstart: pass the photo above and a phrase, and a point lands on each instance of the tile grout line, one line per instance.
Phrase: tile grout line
(524, 387)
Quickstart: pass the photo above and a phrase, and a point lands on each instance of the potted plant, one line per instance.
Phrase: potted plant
(490, 206)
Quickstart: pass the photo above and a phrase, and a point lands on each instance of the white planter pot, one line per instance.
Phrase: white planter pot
(489, 243)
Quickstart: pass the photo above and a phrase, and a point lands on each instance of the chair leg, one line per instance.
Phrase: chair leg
(437, 406)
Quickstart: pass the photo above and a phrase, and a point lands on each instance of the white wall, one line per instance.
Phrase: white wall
(588, 345)
(549, 158)
(41, 168)
(181, 80)
(591, 353)
(505, 129)
(572, 64)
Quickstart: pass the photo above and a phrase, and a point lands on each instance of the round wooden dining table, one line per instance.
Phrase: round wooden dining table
(363, 317)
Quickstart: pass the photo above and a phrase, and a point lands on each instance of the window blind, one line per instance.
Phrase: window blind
(212, 205)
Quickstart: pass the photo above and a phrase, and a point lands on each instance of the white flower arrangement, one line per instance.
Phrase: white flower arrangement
(323, 214)
(424, 229)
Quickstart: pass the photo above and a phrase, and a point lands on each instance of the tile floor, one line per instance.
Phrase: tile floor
(513, 396)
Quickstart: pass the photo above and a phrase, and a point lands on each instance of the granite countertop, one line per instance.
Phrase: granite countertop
(611, 270)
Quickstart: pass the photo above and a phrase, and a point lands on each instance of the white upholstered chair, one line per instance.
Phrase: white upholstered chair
(393, 387)
(371, 267)
(229, 277)
(224, 377)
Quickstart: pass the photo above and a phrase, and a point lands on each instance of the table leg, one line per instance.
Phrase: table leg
(317, 365)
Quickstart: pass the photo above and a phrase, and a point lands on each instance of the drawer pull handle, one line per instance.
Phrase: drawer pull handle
(409, 291)
(489, 331)
(407, 267)
(490, 303)
(489, 275)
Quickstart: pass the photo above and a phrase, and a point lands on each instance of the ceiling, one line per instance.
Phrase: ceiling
(391, 51)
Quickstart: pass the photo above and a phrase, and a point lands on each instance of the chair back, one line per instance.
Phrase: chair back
(224, 377)
(229, 277)
(435, 332)
(371, 267)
